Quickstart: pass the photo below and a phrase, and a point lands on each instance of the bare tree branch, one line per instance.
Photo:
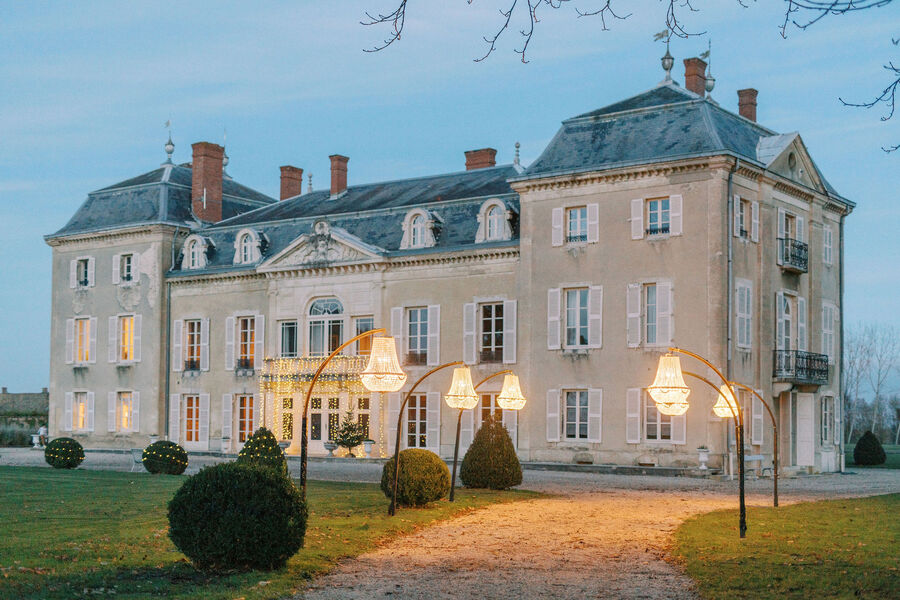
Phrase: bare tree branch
(397, 19)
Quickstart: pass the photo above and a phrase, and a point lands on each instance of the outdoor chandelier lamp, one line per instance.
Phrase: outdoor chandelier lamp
(726, 406)
(668, 389)
(383, 373)
(462, 393)
(511, 397)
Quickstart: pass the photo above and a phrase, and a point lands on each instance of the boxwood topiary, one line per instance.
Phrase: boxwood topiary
(423, 478)
(491, 460)
(64, 453)
(262, 448)
(869, 451)
(238, 516)
(165, 457)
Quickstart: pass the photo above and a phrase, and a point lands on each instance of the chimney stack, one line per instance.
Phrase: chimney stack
(206, 181)
(747, 103)
(695, 75)
(338, 174)
(291, 182)
(480, 159)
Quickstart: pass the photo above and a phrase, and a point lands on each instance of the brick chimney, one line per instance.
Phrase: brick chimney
(338, 173)
(480, 159)
(695, 75)
(747, 103)
(206, 181)
(291, 181)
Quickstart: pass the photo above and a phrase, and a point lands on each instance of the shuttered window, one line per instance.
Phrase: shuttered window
(828, 245)
(744, 306)
(417, 421)
(829, 317)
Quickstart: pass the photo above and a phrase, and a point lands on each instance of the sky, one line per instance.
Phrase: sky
(85, 90)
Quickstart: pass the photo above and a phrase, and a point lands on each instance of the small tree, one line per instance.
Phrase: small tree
(491, 461)
(351, 433)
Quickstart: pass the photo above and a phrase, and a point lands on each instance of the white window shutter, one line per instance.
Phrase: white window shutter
(229, 343)
(397, 331)
(93, 346)
(756, 422)
(510, 319)
(117, 258)
(633, 315)
(227, 401)
(177, 352)
(779, 321)
(204, 418)
(391, 425)
(801, 229)
(781, 235)
(136, 267)
(633, 416)
(553, 324)
(73, 274)
(675, 214)
(135, 411)
(174, 417)
(433, 422)
(70, 341)
(112, 349)
(111, 411)
(511, 422)
(90, 271)
(828, 246)
(556, 223)
(801, 324)
(259, 351)
(593, 223)
(67, 415)
(552, 415)
(466, 431)
(137, 338)
(469, 333)
(434, 335)
(255, 412)
(90, 411)
(595, 316)
(754, 221)
(736, 221)
(595, 415)
(664, 313)
(204, 344)
(637, 219)
(679, 427)
(838, 430)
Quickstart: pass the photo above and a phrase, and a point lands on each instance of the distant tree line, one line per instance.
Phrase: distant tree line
(870, 382)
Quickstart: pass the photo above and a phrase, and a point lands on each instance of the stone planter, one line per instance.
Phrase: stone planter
(154, 438)
(35, 441)
(367, 446)
(330, 446)
(284, 446)
(703, 456)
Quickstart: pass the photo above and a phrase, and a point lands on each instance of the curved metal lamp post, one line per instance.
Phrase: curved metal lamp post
(774, 435)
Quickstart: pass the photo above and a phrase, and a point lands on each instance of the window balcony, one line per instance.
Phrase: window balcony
(794, 255)
(245, 363)
(797, 366)
(493, 355)
(657, 230)
(192, 364)
(416, 358)
(574, 239)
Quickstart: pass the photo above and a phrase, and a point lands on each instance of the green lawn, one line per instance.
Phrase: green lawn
(80, 534)
(830, 549)
(892, 462)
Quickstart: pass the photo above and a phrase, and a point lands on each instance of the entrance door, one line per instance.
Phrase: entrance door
(806, 427)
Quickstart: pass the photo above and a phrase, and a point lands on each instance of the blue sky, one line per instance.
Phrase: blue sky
(86, 88)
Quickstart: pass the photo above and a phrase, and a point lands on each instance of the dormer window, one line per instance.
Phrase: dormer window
(246, 247)
(418, 229)
(194, 253)
(493, 222)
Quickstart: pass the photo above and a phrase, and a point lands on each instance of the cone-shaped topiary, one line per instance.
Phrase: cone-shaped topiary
(424, 478)
(64, 453)
(868, 450)
(165, 457)
(238, 516)
(262, 448)
(491, 461)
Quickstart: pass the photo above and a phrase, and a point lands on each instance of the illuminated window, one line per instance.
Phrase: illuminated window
(363, 418)
(192, 345)
(576, 224)
(124, 412)
(126, 338)
(245, 417)
(287, 418)
(577, 318)
(334, 418)
(246, 342)
(489, 408)
(326, 326)
(417, 338)
(83, 340)
(315, 419)
(192, 418)
(657, 426)
(491, 332)
(417, 421)
(364, 324)
(657, 216)
(79, 410)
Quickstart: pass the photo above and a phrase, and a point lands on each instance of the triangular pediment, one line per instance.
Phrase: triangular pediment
(325, 247)
(786, 155)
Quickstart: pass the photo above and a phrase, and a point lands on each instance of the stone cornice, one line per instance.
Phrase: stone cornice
(138, 231)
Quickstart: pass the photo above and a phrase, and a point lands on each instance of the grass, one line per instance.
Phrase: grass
(78, 534)
(892, 462)
(829, 549)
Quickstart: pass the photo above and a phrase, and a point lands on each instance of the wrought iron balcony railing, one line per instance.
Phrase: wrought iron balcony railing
(801, 367)
(657, 230)
(794, 254)
(192, 364)
(245, 363)
(576, 238)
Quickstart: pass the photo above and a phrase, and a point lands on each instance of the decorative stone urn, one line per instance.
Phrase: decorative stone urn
(330, 446)
(367, 446)
(703, 456)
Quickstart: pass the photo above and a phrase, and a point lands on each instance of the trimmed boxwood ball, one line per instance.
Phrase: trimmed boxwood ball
(236, 517)
(64, 453)
(491, 460)
(869, 451)
(424, 478)
(165, 457)
(262, 448)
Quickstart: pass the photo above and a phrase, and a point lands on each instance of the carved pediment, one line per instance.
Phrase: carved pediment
(324, 247)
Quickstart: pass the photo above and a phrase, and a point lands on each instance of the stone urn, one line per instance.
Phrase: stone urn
(367, 446)
(331, 447)
(154, 438)
(283, 444)
(703, 456)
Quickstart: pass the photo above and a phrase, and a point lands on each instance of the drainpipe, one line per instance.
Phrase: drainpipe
(729, 235)
(168, 358)
(840, 360)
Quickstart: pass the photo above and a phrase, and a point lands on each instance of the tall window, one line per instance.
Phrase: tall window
(417, 337)
(828, 312)
(315, 419)
(83, 340)
(326, 326)
(287, 418)
(827, 428)
(363, 418)
(492, 332)
(289, 344)
(246, 342)
(246, 248)
(651, 315)
(417, 232)
(657, 216)
(787, 317)
(576, 415)
(334, 418)
(245, 417)
(489, 408)
(81, 272)
(576, 224)
(79, 410)
(192, 418)
(124, 412)
(744, 315)
(743, 208)
(494, 223)
(828, 246)
(193, 254)
(657, 426)
(790, 225)
(364, 324)
(192, 345)
(126, 262)
(416, 421)
(126, 338)
(577, 318)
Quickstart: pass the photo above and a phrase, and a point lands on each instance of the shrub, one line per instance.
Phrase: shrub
(423, 478)
(238, 516)
(165, 457)
(262, 448)
(491, 460)
(868, 450)
(64, 453)
(15, 434)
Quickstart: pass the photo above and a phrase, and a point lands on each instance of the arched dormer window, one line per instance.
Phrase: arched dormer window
(194, 253)
(417, 232)
(493, 222)
(418, 229)
(247, 247)
(326, 326)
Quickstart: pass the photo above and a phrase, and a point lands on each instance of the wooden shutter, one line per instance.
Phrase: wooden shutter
(510, 319)
(174, 417)
(111, 411)
(136, 267)
(593, 223)
(828, 246)
(756, 422)
(781, 235)
(595, 415)
(675, 215)
(93, 346)
(779, 320)
(255, 412)
(736, 220)
(229, 343)
(633, 315)
(553, 323)
(90, 271)
(754, 221)
(70, 341)
(137, 338)
(838, 430)
(556, 223)
(595, 316)
(73, 273)
(227, 402)
(633, 416)
(469, 333)
(90, 411)
(135, 411)
(391, 425)
(204, 344)
(801, 323)
(117, 258)
(511, 422)
(204, 419)
(67, 415)
(664, 314)
(259, 350)
(434, 335)
(112, 349)
(552, 415)
(806, 439)
(637, 219)
(397, 323)
(433, 422)
(177, 352)
(466, 431)
(801, 229)
(679, 429)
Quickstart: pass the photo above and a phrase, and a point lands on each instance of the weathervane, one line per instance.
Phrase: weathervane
(710, 80)
(170, 147)
(667, 61)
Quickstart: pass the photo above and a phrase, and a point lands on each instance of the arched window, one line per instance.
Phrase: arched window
(194, 255)
(245, 248)
(326, 326)
(494, 223)
(417, 232)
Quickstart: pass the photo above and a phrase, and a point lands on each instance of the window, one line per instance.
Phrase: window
(657, 426)
(744, 314)
(288, 339)
(789, 225)
(577, 318)
(492, 332)
(246, 342)
(287, 418)
(416, 421)
(575, 423)
(419, 229)
(364, 324)
(334, 418)
(417, 232)
(576, 224)
(829, 313)
(490, 408)
(79, 411)
(743, 210)
(827, 422)
(125, 412)
(126, 338)
(326, 326)
(315, 419)
(245, 248)
(657, 216)
(245, 417)
(363, 418)
(192, 418)
(651, 316)
(194, 254)
(417, 338)
(126, 263)
(495, 219)
(192, 345)
(828, 246)
(83, 340)
(82, 269)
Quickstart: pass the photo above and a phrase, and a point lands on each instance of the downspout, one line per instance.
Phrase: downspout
(840, 362)
(729, 235)
(168, 358)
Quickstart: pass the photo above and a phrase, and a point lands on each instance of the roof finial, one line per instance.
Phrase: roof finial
(667, 61)
(170, 147)
(516, 159)
(309, 187)
(710, 80)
